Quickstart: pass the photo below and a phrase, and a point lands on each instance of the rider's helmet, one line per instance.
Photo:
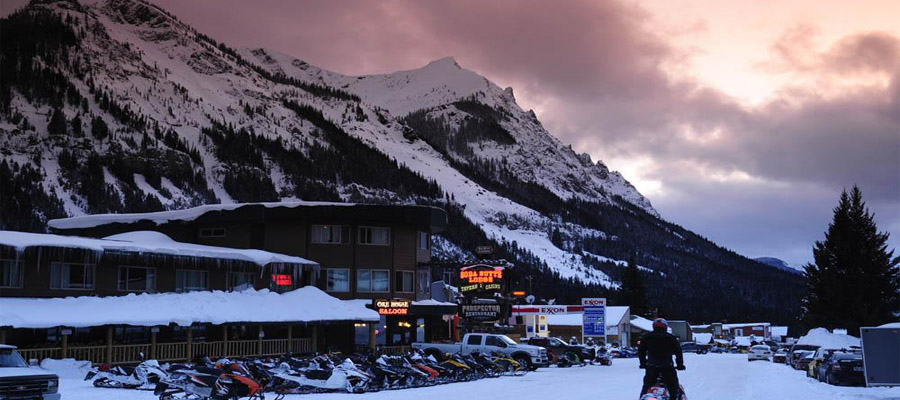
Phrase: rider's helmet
(660, 325)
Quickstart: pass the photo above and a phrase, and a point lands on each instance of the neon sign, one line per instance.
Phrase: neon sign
(391, 307)
(282, 279)
(480, 278)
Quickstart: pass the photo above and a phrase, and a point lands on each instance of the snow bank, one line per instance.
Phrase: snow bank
(161, 217)
(67, 367)
(146, 241)
(823, 338)
(307, 304)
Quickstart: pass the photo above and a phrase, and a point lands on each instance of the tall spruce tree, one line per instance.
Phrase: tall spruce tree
(634, 292)
(854, 280)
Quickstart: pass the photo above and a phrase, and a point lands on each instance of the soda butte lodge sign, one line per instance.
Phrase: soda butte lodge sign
(480, 278)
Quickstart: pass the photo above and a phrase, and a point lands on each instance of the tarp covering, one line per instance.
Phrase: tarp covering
(146, 242)
(703, 338)
(307, 304)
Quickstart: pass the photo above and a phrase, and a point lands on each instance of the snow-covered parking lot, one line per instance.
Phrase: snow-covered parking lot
(712, 376)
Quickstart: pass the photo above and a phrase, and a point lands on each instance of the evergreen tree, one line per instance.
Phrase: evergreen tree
(58, 124)
(634, 292)
(854, 280)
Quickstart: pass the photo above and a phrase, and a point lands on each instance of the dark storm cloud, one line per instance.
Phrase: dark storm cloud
(599, 75)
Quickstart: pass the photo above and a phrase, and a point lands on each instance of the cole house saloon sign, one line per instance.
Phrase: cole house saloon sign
(479, 278)
(391, 306)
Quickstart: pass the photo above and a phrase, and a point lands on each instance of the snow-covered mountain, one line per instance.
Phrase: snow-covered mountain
(118, 106)
(778, 263)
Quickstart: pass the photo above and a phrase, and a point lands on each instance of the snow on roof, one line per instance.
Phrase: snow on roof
(146, 241)
(823, 338)
(699, 326)
(161, 217)
(644, 324)
(307, 304)
(741, 341)
(433, 302)
(614, 316)
(745, 324)
(779, 330)
(893, 325)
(703, 338)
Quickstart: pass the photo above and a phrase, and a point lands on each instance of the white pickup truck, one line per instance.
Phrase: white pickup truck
(19, 381)
(488, 343)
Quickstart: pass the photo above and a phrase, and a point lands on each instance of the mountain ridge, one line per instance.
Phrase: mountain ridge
(144, 113)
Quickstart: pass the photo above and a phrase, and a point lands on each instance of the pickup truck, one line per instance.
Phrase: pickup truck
(19, 381)
(487, 343)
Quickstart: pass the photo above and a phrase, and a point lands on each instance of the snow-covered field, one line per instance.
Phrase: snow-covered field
(712, 376)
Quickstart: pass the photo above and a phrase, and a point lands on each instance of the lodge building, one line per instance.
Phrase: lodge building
(352, 254)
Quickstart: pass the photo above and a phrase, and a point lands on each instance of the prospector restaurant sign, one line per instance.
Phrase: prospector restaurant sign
(480, 278)
(480, 312)
(391, 306)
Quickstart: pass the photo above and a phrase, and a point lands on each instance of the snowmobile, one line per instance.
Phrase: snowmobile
(602, 356)
(319, 376)
(145, 376)
(233, 381)
(659, 392)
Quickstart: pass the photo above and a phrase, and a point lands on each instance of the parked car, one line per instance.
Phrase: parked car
(623, 352)
(843, 368)
(557, 348)
(20, 381)
(780, 356)
(802, 360)
(693, 347)
(820, 355)
(798, 347)
(488, 343)
(759, 352)
(717, 350)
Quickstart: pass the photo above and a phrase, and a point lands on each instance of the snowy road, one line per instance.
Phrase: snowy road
(712, 376)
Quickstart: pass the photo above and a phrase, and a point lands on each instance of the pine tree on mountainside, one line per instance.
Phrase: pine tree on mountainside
(634, 292)
(854, 280)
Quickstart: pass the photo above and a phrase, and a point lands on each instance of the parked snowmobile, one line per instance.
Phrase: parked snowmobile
(602, 356)
(233, 381)
(320, 375)
(659, 392)
(145, 376)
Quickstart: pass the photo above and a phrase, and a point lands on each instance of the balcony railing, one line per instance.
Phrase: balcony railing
(130, 353)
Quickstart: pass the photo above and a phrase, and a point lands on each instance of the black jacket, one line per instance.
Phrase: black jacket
(657, 349)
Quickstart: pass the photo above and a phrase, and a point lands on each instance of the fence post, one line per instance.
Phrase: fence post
(290, 338)
(225, 352)
(153, 330)
(190, 343)
(372, 336)
(315, 339)
(65, 346)
(109, 344)
(2, 336)
(259, 338)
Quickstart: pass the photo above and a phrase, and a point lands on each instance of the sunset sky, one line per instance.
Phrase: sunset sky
(739, 120)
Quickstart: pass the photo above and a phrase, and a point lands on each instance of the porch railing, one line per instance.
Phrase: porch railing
(130, 353)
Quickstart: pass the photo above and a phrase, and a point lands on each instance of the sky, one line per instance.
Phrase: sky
(742, 121)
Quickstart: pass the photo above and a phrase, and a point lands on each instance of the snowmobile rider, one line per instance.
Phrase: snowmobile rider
(573, 341)
(655, 357)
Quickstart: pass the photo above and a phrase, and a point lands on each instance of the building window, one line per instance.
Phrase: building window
(337, 280)
(374, 235)
(373, 280)
(10, 273)
(424, 241)
(241, 281)
(330, 234)
(71, 276)
(137, 279)
(448, 277)
(190, 281)
(404, 281)
(212, 232)
(425, 282)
